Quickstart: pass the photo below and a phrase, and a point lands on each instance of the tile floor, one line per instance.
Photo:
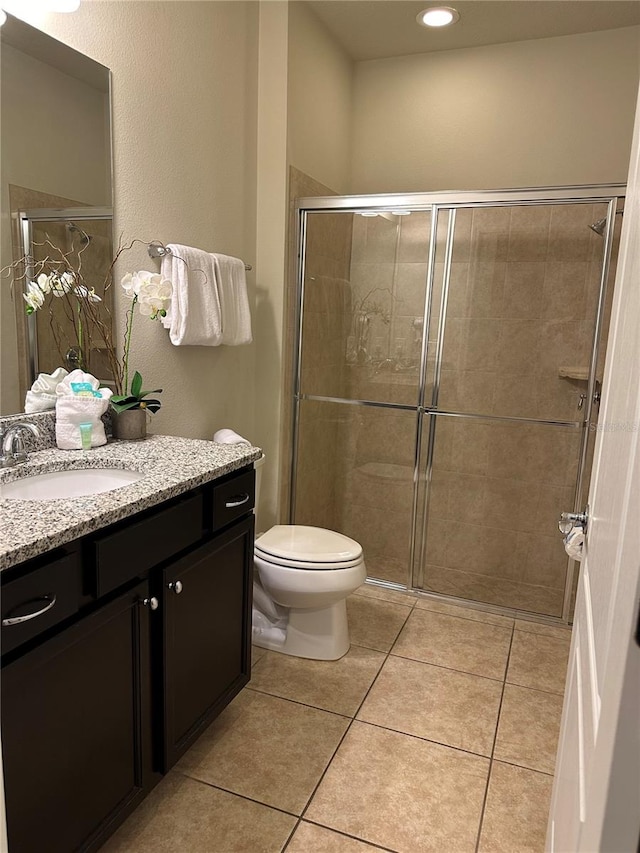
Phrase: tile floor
(436, 732)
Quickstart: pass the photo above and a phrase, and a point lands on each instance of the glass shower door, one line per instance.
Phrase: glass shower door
(362, 323)
(502, 449)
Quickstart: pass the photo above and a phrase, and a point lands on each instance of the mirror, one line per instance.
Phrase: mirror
(56, 184)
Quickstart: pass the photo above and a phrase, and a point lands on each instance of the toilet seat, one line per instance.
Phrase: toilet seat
(301, 547)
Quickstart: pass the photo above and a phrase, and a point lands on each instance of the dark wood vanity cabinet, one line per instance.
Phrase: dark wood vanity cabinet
(207, 621)
(144, 655)
(76, 729)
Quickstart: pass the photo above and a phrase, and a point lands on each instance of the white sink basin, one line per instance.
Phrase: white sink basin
(74, 483)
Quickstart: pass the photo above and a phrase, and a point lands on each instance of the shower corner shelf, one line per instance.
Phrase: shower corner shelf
(574, 373)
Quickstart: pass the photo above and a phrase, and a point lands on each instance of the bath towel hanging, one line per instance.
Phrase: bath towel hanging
(210, 305)
(234, 302)
(194, 317)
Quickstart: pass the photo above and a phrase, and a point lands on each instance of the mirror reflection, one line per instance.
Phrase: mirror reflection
(57, 189)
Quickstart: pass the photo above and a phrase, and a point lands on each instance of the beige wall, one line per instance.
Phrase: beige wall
(184, 114)
(320, 100)
(555, 111)
(39, 104)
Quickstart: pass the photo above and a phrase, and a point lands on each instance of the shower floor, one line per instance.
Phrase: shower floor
(437, 731)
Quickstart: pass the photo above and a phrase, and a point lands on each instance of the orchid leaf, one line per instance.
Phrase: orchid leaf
(136, 385)
(123, 407)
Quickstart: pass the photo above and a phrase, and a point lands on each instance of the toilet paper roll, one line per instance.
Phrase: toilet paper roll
(229, 436)
(574, 543)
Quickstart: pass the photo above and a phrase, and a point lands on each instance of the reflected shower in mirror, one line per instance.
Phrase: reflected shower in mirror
(56, 176)
(59, 334)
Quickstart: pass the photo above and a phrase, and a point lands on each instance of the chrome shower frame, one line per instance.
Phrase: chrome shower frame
(448, 203)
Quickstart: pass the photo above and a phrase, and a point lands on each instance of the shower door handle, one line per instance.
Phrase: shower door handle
(569, 520)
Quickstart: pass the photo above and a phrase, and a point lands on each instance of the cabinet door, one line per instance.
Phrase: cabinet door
(76, 730)
(207, 625)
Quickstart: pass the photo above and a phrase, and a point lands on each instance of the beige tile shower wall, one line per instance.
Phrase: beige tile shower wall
(496, 491)
(522, 301)
(388, 276)
(389, 273)
(326, 318)
(377, 448)
(522, 304)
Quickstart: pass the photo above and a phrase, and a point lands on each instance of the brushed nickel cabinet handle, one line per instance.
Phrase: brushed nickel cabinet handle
(16, 620)
(237, 500)
(175, 586)
(153, 602)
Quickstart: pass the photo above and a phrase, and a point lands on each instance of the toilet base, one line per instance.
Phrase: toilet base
(321, 634)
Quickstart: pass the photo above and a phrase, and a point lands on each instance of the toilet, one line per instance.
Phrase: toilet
(302, 577)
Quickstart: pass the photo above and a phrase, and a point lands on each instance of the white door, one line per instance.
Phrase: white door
(596, 795)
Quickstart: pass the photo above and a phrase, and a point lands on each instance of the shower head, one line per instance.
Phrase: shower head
(84, 237)
(601, 224)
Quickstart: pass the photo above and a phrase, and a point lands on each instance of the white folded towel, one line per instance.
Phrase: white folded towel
(234, 301)
(42, 395)
(194, 317)
(72, 410)
(574, 543)
(228, 436)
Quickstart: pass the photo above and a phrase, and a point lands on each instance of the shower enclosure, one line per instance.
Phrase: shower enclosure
(83, 236)
(447, 374)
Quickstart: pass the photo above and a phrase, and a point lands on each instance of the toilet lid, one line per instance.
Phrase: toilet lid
(300, 544)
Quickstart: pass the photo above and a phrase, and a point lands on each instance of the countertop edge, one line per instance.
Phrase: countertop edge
(120, 504)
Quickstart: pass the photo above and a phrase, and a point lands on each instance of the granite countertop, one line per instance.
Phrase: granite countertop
(171, 466)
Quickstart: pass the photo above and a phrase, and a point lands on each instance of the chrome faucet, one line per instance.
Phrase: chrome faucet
(13, 449)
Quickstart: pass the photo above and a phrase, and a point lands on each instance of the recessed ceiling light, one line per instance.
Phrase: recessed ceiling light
(401, 212)
(368, 213)
(438, 16)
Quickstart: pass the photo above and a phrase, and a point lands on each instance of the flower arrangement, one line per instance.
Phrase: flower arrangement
(78, 313)
(151, 293)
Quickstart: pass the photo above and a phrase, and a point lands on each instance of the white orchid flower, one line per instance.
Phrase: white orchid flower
(61, 284)
(84, 293)
(165, 289)
(150, 290)
(34, 297)
(44, 282)
(151, 307)
(130, 284)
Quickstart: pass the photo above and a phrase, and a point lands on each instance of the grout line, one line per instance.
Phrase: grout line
(523, 767)
(290, 836)
(426, 739)
(565, 629)
(507, 627)
(493, 748)
(235, 793)
(450, 668)
(348, 835)
(413, 599)
(297, 702)
(535, 689)
(348, 729)
(468, 618)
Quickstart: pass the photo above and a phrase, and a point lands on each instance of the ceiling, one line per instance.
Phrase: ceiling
(376, 29)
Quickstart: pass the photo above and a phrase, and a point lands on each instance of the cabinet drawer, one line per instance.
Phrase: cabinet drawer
(136, 548)
(233, 499)
(39, 600)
